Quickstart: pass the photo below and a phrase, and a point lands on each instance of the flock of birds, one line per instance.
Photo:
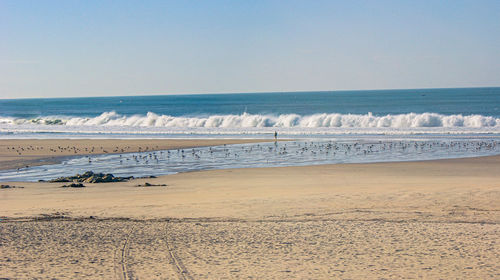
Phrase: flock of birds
(71, 150)
(23, 150)
(147, 161)
(146, 155)
(296, 150)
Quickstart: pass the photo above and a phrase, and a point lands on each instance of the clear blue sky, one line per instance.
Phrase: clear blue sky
(93, 48)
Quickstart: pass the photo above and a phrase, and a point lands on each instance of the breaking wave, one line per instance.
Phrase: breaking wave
(400, 121)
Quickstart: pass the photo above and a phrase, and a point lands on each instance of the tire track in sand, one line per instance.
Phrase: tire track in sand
(123, 272)
(179, 267)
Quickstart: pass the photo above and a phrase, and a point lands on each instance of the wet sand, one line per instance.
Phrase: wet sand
(430, 219)
(18, 153)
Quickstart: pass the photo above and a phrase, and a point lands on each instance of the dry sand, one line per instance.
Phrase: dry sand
(432, 219)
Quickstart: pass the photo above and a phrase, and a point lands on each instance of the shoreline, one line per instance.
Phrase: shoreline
(25, 153)
(459, 173)
(19, 153)
(443, 160)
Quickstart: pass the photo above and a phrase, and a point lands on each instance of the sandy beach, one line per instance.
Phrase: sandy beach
(431, 219)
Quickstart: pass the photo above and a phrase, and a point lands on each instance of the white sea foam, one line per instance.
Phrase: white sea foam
(245, 120)
(112, 122)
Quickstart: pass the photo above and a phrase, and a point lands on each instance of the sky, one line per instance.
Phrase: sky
(114, 48)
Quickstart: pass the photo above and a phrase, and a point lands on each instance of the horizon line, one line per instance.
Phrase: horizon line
(248, 92)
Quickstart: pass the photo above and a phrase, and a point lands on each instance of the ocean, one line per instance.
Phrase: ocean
(461, 111)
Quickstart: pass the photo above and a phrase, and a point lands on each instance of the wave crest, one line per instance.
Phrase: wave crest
(410, 120)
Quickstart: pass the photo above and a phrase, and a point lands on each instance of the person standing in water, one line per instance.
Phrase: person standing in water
(275, 135)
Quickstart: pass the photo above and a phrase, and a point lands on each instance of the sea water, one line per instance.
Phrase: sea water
(388, 112)
(327, 127)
